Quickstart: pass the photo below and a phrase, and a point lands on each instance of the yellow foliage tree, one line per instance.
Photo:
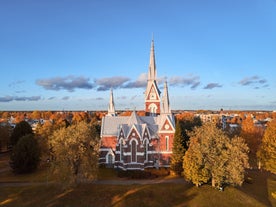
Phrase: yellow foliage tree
(214, 157)
(75, 151)
(267, 152)
(252, 136)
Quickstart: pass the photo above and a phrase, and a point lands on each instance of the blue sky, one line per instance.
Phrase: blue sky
(67, 54)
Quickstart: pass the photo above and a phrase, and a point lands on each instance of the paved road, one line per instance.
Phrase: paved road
(104, 182)
(19, 184)
(139, 182)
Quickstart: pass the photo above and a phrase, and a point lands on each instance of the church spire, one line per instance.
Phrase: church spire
(152, 95)
(111, 108)
(165, 101)
(152, 66)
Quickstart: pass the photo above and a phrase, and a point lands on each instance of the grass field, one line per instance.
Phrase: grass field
(257, 192)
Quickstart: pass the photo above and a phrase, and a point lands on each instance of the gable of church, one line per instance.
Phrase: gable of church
(167, 126)
(146, 134)
(153, 94)
(133, 134)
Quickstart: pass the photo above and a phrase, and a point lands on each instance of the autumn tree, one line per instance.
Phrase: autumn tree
(35, 115)
(237, 161)
(61, 123)
(25, 155)
(194, 165)
(19, 117)
(267, 152)
(43, 132)
(212, 156)
(75, 151)
(58, 117)
(252, 136)
(80, 116)
(5, 115)
(46, 115)
(21, 129)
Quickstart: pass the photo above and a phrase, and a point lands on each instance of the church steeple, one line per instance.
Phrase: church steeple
(152, 95)
(152, 66)
(111, 108)
(165, 101)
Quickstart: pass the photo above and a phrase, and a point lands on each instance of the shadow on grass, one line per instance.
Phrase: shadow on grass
(155, 195)
(259, 193)
(131, 195)
(257, 186)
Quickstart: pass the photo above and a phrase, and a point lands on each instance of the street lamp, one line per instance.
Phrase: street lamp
(48, 161)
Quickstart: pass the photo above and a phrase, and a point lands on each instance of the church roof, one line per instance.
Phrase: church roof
(112, 124)
(134, 119)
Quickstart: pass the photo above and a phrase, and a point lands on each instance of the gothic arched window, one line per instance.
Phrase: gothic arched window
(133, 151)
(110, 159)
(146, 145)
(152, 109)
(121, 149)
(167, 143)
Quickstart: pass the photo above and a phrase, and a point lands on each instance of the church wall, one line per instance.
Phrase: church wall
(142, 160)
(149, 103)
(163, 144)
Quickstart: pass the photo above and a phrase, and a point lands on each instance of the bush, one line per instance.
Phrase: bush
(135, 174)
(161, 172)
(25, 155)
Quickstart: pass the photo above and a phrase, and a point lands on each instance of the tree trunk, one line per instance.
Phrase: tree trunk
(213, 182)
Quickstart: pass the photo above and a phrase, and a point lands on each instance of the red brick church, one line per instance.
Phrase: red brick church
(137, 142)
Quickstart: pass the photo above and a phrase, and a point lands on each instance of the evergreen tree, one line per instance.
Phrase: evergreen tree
(187, 125)
(25, 155)
(178, 150)
(267, 151)
(21, 129)
(184, 125)
(4, 137)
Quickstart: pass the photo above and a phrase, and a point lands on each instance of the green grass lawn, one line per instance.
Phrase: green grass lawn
(258, 192)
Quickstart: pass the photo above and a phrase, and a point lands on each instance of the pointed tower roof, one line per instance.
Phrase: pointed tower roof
(165, 101)
(152, 66)
(111, 107)
(134, 118)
